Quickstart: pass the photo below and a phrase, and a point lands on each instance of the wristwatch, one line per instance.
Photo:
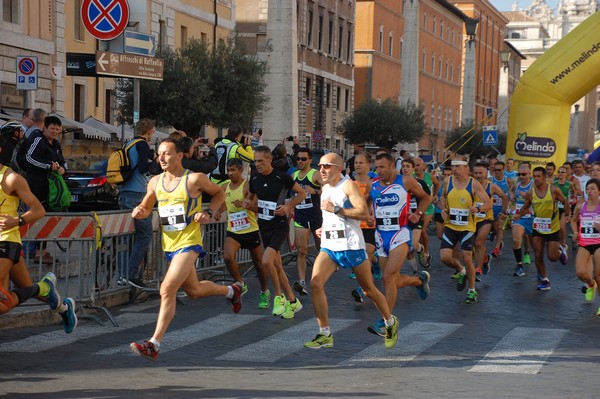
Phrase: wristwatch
(337, 209)
(22, 221)
(420, 213)
(208, 211)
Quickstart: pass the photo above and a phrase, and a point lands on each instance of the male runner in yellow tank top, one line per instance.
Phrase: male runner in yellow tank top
(179, 196)
(546, 223)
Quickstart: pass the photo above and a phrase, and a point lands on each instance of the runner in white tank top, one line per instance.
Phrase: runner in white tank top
(342, 245)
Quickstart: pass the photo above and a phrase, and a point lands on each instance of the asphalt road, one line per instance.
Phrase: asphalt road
(515, 342)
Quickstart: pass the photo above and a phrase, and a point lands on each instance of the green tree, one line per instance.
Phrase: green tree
(385, 123)
(468, 139)
(200, 87)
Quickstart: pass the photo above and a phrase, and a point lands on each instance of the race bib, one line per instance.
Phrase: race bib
(306, 203)
(497, 200)
(587, 229)
(266, 210)
(459, 217)
(480, 215)
(542, 225)
(560, 205)
(172, 218)
(413, 205)
(387, 220)
(239, 221)
(518, 209)
(335, 235)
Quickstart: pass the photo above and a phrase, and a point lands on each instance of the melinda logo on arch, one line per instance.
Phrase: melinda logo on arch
(538, 147)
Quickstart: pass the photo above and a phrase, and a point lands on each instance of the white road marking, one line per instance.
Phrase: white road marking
(284, 343)
(412, 340)
(205, 329)
(521, 351)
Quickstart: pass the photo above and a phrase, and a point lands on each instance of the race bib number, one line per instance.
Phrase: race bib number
(387, 224)
(172, 218)
(239, 221)
(497, 200)
(335, 235)
(413, 205)
(587, 229)
(480, 215)
(266, 210)
(518, 209)
(560, 205)
(542, 225)
(306, 203)
(459, 217)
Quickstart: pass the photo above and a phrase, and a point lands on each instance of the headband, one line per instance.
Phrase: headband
(458, 163)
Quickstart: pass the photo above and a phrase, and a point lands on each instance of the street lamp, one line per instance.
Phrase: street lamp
(468, 90)
(471, 29)
(505, 57)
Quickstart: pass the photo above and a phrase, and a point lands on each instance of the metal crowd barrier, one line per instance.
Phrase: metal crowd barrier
(89, 253)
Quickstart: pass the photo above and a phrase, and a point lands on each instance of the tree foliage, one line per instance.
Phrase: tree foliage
(200, 87)
(468, 139)
(385, 123)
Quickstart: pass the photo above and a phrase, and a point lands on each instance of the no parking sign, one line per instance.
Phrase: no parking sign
(27, 75)
(105, 19)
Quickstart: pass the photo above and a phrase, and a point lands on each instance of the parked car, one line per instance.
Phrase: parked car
(90, 191)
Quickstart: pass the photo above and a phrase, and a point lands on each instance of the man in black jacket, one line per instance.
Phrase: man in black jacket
(204, 163)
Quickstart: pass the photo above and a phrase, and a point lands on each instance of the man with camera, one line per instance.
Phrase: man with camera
(234, 145)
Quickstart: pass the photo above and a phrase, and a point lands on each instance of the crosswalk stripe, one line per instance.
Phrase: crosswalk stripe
(412, 340)
(522, 351)
(205, 329)
(54, 339)
(282, 344)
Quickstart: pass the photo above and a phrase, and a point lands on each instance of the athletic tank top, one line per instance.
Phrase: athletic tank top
(458, 202)
(311, 204)
(503, 184)
(176, 210)
(239, 220)
(588, 234)
(439, 197)
(340, 233)
(545, 212)
(488, 215)
(363, 190)
(8, 206)
(566, 190)
(429, 183)
(520, 198)
(390, 205)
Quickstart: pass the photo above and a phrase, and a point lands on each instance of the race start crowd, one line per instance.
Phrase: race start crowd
(366, 215)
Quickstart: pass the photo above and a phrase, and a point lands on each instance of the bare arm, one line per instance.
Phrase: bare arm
(525, 207)
(359, 209)
(199, 183)
(15, 184)
(285, 209)
(574, 220)
(498, 191)
(480, 192)
(144, 209)
(424, 200)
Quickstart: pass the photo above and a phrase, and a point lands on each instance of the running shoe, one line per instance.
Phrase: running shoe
(491, 236)
(244, 287)
(455, 275)
(69, 316)
(471, 297)
(598, 312)
(356, 294)
(461, 282)
(53, 296)
(264, 300)
(486, 264)
(391, 336)
(279, 305)
(519, 271)
(564, 258)
(478, 271)
(423, 290)
(376, 270)
(378, 328)
(352, 275)
(300, 287)
(544, 285)
(320, 341)
(590, 293)
(137, 283)
(236, 299)
(421, 258)
(427, 264)
(539, 277)
(291, 308)
(145, 349)
(526, 259)
(496, 252)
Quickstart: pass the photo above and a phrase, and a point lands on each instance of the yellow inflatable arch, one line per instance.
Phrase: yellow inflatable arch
(540, 110)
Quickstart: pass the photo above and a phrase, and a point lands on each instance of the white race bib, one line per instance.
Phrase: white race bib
(306, 203)
(587, 228)
(266, 209)
(459, 217)
(172, 217)
(387, 219)
(335, 235)
(480, 215)
(497, 200)
(239, 221)
(542, 225)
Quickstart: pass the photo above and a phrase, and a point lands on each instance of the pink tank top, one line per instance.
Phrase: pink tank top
(588, 234)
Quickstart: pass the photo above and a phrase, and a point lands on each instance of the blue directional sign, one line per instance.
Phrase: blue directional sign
(138, 43)
(490, 135)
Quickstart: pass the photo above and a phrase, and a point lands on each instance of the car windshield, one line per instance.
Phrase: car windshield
(98, 166)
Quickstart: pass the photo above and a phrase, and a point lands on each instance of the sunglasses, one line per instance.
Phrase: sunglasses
(562, 171)
(303, 159)
(327, 166)
(498, 170)
(522, 174)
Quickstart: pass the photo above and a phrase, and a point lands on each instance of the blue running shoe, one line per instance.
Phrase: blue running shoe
(357, 295)
(378, 328)
(53, 296)
(564, 258)
(352, 275)
(544, 285)
(376, 270)
(423, 290)
(69, 317)
(486, 264)
(519, 271)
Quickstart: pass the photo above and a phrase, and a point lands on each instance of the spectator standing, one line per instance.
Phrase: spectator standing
(206, 160)
(37, 121)
(257, 139)
(131, 194)
(230, 147)
(26, 119)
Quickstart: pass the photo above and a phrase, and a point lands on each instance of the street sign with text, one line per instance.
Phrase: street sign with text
(27, 74)
(129, 66)
(138, 43)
